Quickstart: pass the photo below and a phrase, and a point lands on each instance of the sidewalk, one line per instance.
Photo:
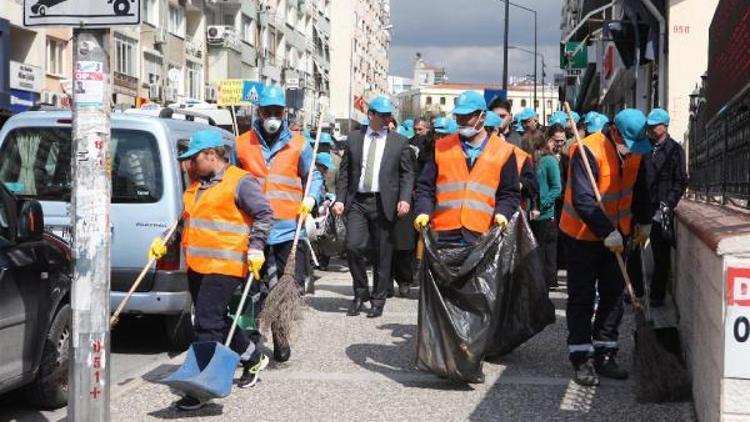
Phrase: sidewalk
(354, 368)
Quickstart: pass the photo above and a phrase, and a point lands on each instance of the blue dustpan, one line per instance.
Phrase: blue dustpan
(208, 370)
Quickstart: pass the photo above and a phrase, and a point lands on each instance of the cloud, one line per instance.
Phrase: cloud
(465, 36)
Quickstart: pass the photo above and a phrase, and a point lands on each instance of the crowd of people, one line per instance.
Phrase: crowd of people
(457, 176)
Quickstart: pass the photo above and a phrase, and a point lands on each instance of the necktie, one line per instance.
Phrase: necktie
(369, 169)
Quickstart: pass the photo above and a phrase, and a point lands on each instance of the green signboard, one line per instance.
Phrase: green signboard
(574, 56)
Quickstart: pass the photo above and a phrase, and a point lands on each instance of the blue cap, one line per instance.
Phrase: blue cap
(445, 126)
(365, 122)
(469, 102)
(326, 139)
(325, 159)
(381, 104)
(409, 124)
(404, 131)
(631, 123)
(576, 117)
(306, 134)
(272, 95)
(658, 116)
(201, 140)
(492, 120)
(525, 114)
(558, 118)
(588, 117)
(595, 122)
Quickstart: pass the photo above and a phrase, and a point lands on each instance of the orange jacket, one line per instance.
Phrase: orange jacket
(615, 185)
(281, 182)
(216, 234)
(467, 198)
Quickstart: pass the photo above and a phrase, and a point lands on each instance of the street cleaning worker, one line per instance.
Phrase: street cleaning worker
(593, 236)
(282, 161)
(226, 221)
(472, 183)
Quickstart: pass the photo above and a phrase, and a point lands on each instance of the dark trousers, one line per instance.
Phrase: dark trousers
(277, 256)
(545, 232)
(368, 235)
(211, 294)
(402, 266)
(635, 270)
(662, 263)
(592, 267)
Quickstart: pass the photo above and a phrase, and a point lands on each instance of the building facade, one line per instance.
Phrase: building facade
(360, 42)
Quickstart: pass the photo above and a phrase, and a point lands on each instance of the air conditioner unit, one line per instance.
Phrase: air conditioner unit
(160, 36)
(217, 34)
(154, 91)
(210, 93)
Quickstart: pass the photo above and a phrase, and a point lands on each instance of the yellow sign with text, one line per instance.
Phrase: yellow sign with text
(229, 93)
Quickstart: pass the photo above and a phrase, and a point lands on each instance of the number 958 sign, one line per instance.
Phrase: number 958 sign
(737, 324)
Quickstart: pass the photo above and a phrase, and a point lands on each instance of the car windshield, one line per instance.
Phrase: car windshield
(35, 162)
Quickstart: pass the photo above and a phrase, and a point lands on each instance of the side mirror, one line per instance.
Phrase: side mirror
(30, 221)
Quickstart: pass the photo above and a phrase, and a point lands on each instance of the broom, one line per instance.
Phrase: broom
(284, 303)
(661, 375)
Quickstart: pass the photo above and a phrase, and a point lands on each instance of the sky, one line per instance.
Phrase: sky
(466, 36)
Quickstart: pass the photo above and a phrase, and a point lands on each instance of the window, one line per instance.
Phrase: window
(55, 50)
(194, 80)
(442, 100)
(523, 103)
(151, 11)
(428, 100)
(35, 162)
(230, 20)
(248, 30)
(176, 24)
(152, 68)
(125, 59)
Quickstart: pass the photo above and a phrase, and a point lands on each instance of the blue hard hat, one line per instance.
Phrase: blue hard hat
(558, 118)
(631, 123)
(272, 95)
(326, 160)
(469, 102)
(492, 120)
(658, 116)
(381, 104)
(595, 122)
(201, 140)
(525, 114)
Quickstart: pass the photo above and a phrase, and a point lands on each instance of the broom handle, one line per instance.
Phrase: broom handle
(597, 194)
(245, 292)
(116, 315)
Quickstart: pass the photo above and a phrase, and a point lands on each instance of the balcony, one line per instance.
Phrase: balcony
(193, 47)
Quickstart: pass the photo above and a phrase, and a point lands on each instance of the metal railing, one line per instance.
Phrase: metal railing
(719, 151)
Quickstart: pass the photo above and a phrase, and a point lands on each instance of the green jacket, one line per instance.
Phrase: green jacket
(550, 188)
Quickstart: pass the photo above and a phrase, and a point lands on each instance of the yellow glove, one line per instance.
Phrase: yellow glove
(501, 221)
(157, 249)
(642, 233)
(421, 221)
(255, 261)
(306, 206)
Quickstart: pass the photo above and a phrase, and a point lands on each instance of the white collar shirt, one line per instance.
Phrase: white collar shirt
(379, 138)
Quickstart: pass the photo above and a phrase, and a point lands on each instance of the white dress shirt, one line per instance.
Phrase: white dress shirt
(379, 138)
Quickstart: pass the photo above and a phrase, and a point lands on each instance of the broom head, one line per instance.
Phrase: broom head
(283, 305)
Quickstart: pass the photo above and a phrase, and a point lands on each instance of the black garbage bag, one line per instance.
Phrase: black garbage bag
(468, 301)
(332, 241)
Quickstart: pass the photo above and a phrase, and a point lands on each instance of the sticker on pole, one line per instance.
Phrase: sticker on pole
(88, 89)
(737, 324)
(81, 12)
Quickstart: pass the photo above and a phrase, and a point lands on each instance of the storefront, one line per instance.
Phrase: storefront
(25, 85)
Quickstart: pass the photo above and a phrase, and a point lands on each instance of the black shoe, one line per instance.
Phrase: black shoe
(252, 368)
(357, 306)
(403, 290)
(375, 312)
(389, 293)
(606, 366)
(189, 403)
(586, 374)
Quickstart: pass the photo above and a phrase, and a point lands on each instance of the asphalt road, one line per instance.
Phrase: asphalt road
(138, 344)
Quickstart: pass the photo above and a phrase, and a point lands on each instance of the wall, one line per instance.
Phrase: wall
(342, 19)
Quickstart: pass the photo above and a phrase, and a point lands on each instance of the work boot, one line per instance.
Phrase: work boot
(606, 366)
(281, 352)
(189, 403)
(586, 374)
(252, 368)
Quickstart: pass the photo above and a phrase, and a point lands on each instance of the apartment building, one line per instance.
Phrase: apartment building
(360, 42)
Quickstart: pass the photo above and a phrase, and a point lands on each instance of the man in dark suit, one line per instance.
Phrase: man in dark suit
(374, 186)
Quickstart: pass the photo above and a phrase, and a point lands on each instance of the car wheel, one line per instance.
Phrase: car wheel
(179, 328)
(50, 389)
(121, 7)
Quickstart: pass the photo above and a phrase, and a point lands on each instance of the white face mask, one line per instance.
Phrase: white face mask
(272, 124)
(468, 131)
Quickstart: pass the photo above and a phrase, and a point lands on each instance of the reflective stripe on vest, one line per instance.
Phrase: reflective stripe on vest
(216, 234)
(615, 184)
(280, 179)
(466, 198)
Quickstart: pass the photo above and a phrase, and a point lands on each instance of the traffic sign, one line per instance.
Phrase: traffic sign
(737, 323)
(574, 55)
(89, 13)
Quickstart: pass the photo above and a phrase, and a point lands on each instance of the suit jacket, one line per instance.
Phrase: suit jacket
(396, 178)
(666, 173)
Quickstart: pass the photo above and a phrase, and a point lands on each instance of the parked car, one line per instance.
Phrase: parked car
(147, 187)
(35, 315)
(41, 6)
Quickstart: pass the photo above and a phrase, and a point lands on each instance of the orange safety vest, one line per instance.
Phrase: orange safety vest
(616, 182)
(467, 198)
(217, 234)
(281, 181)
(521, 157)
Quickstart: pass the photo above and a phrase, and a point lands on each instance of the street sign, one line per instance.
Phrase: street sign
(737, 323)
(91, 13)
(575, 55)
(491, 94)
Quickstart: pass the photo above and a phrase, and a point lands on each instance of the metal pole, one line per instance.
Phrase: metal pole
(544, 101)
(505, 48)
(536, 81)
(88, 396)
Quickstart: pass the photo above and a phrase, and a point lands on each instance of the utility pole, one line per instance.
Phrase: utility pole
(536, 80)
(505, 48)
(88, 398)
